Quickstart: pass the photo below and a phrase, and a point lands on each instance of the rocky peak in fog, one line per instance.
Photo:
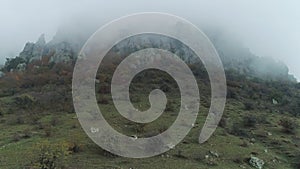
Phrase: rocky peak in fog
(34, 51)
(66, 44)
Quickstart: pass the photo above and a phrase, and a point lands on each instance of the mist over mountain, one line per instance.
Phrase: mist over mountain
(69, 39)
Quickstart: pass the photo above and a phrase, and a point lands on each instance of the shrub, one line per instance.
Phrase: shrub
(179, 154)
(232, 93)
(223, 122)
(15, 119)
(54, 121)
(250, 120)
(165, 87)
(25, 100)
(104, 89)
(289, 125)
(50, 156)
(48, 130)
(140, 127)
(75, 145)
(249, 106)
(296, 161)
(103, 101)
(237, 130)
(135, 99)
(170, 107)
(16, 137)
(34, 119)
(27, 133)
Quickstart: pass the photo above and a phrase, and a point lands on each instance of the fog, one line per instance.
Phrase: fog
(267, 28)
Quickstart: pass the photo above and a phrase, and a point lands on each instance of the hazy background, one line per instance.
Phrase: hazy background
(266, 27)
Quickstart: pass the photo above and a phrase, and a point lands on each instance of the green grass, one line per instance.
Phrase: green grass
(192, 155)
(278, 150)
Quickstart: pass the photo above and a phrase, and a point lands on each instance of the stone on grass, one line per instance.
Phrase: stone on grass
(256, 162)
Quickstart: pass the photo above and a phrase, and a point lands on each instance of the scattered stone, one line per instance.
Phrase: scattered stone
(94, 130)
(36, 67)
(134, 137)
(215, 154)
(171, 146)
(244, 144)
(269, 134)
(252, 140)
(242, 166)
(256, 162)
(275, 102)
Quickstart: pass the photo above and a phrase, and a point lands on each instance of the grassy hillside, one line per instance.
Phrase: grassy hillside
(39, 128)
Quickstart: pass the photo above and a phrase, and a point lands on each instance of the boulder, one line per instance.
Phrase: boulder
(215, 154)
(256, 162)
(275, 102)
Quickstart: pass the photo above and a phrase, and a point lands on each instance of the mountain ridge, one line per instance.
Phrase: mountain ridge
(66, 44)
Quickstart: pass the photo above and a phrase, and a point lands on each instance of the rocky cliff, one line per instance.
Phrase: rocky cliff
(66, 44)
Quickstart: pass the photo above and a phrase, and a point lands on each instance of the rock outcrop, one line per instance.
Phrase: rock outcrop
(34, 51)
(66, 44)
(57, 52)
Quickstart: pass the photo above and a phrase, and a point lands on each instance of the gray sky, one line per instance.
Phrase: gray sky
(266, 27)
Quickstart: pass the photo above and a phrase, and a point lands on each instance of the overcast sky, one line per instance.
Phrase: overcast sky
(266, 27)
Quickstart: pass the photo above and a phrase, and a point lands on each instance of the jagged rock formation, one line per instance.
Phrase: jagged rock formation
(234, 56)
(56, 51)
(66, 44)
(140, 42)
(34, 51)
(61, 52)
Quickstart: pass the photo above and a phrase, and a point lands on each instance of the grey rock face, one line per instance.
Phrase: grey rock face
(63, 52)
(34, 51)
(140, 42)
(27, 51)
(58, 51)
